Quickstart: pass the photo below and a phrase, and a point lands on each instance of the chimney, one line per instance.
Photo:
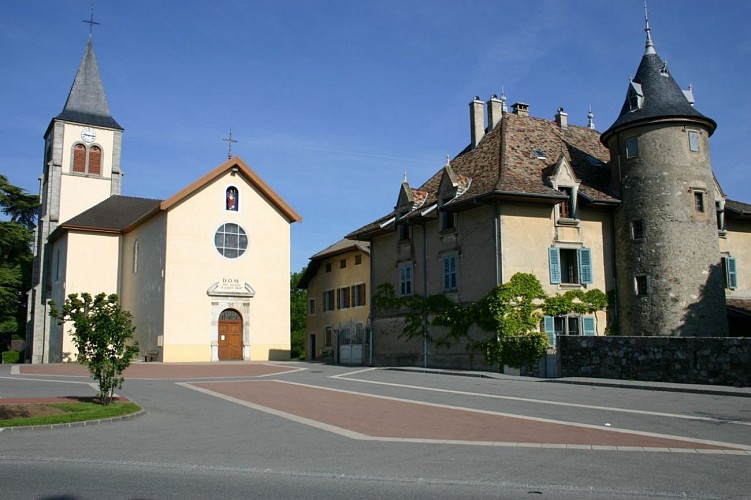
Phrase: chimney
(495, 112)
(477, 120)
(520, 109)
(561, 118)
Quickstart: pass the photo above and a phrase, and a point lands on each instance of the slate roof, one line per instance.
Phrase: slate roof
(340, 247)
(662, 98)
(86, 101)
(504, 166)
(113, 215)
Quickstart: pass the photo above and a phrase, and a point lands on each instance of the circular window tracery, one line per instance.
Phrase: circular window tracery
(231, 240)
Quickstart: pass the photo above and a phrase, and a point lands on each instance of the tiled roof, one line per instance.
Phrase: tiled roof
(114, 214)
(505, 164)
(737, 209)
(341, 246)
(740, 305)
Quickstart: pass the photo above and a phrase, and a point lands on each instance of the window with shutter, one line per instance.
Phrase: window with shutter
(548, 323)
(95, 160)
(588, 323)
(731, 272)
(585, 266)
(554, 261)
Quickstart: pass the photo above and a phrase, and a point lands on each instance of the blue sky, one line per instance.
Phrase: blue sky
(333, 101)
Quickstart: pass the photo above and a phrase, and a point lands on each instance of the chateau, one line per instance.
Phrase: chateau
(205, 272)
(635, 212)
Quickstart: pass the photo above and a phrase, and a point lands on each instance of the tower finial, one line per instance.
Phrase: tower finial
(590, 118)
(504, 109)
(649, 46)
(405, 177)
(91, 21)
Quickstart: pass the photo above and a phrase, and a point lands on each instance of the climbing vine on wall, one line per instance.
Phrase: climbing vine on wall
(510, 314)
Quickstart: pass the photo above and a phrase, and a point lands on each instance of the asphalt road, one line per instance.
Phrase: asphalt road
(202, 436)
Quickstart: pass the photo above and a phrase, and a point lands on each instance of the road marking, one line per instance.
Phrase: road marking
(736, 448)
(539, 401)
(46, 380)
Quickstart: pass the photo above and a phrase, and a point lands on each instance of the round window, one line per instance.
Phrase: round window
(231, 240)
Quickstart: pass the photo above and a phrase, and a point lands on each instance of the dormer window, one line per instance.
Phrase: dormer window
(566, 208)
(635, 96)
(447, 219)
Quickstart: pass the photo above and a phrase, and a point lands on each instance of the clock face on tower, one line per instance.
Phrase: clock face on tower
(88, 135)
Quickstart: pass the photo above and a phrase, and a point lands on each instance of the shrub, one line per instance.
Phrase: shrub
(10, 357)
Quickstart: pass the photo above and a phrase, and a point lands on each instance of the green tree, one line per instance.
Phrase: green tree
(103, 333)
(15, 257)
(298, 299)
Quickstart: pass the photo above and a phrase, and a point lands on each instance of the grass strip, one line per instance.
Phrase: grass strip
(75, 412)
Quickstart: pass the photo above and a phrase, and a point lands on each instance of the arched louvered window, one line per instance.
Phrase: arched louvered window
(79, 158)
(95, 160)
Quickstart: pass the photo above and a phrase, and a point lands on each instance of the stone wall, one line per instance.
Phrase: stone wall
(690, 360)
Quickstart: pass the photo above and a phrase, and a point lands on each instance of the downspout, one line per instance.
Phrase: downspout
(425, 293)
(370, 314)
(614, 266)
(497, 241)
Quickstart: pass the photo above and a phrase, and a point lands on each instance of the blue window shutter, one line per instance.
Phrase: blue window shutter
(548, 323)
(589, 325)
(555, 265)
(585, 266)
(732, 271)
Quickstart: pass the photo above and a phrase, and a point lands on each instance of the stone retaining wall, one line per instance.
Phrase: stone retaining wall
(690, 360)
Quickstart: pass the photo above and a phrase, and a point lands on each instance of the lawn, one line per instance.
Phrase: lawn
(25, 414)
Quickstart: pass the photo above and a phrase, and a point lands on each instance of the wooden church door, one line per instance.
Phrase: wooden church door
(230, 335)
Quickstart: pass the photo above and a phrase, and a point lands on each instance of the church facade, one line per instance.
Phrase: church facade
(204, 273)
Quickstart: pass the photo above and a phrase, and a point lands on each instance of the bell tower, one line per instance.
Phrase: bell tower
(82, 148)
(668, 267)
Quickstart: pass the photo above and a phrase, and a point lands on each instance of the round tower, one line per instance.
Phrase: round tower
(667, 257)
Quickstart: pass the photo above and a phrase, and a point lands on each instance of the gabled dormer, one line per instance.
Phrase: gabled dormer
(563, 178)
(408, 200)
(451, 186)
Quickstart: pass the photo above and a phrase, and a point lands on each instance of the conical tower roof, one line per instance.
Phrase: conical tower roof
(653, 94)
(86, 102)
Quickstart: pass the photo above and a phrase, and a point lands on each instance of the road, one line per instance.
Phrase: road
(301, 430)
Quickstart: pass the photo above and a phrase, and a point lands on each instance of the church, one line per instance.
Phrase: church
(205, 273)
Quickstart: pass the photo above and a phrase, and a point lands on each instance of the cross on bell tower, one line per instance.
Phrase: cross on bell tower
(91, 21)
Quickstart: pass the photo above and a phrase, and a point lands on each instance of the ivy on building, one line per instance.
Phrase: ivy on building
(508, 316)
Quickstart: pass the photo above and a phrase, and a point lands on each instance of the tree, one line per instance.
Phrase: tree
(15, 257)
(102, 332)
(298, 299)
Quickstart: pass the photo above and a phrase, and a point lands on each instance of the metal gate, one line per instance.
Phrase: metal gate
(352, 339)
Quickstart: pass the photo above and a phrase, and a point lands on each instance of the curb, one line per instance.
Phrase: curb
(83, 423)
(643, 385)
(661, 388)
